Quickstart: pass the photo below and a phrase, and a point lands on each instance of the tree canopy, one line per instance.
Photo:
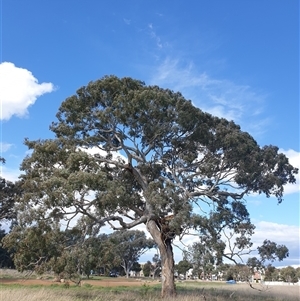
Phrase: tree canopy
(127, 154)
(129, 246)
(9, 192)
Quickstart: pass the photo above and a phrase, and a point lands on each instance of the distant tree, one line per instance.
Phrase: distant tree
(85, 256)
(288, 274)
(136, 267)
(202, 258)
(130, 154)
(156, 265)
(108, 260)
(43, 247)
(271, 273)
(298, 273)
(128, 246)
(34, 246)
(183, 266)
(147, 268)
(221, 270)
(238, 272)
(243, 273)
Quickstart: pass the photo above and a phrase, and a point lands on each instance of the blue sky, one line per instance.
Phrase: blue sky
(235, 59)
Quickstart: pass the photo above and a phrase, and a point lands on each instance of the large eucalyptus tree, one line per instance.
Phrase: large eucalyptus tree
(127, 154)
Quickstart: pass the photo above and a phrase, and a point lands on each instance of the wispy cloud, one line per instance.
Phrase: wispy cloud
(220, 97)
(4, 147)
(154, 36)
(19, 90)
(127, 21)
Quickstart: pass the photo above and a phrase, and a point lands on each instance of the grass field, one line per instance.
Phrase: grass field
(21, 287)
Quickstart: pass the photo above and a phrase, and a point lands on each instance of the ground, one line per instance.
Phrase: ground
(292, 291)
(103, 282)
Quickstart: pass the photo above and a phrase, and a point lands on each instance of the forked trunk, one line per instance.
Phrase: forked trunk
(168, 288)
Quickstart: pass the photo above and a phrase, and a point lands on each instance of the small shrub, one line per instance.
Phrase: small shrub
(87, 285)
(145, 289)
(66, 284)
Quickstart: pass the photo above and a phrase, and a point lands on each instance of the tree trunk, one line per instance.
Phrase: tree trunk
(126, 268)
(167, 272)
(168, 288)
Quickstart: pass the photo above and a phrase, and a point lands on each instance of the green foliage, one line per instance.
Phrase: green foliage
(5, 256)
(202, 258)
(271, 273)
(163, 136)
(42, 247)
(289, 274)
(32, 247)
(87, 285)
(9, 192)
(254, 264)
(272, 251)
(145, 290)
(128, 246)
(183, 266)
(147, 269)
(136, 267)
(128, 154)
(238, 272)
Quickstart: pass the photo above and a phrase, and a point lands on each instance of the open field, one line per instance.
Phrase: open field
(122, 289)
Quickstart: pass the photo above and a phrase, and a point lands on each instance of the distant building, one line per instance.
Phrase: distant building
(257, 277)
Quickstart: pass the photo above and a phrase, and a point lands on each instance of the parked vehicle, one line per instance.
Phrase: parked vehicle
(113, 274)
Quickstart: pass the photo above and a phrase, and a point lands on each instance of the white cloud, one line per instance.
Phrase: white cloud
(219, 97)
(19, 90)
(281, 234)
(97, 151)
(294, 159)
(9, 174)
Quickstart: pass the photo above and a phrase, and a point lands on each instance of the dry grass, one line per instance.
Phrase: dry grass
(9, 293)
(120, 289)
(9, 273)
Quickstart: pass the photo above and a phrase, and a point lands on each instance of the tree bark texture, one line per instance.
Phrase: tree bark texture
(167, 260)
